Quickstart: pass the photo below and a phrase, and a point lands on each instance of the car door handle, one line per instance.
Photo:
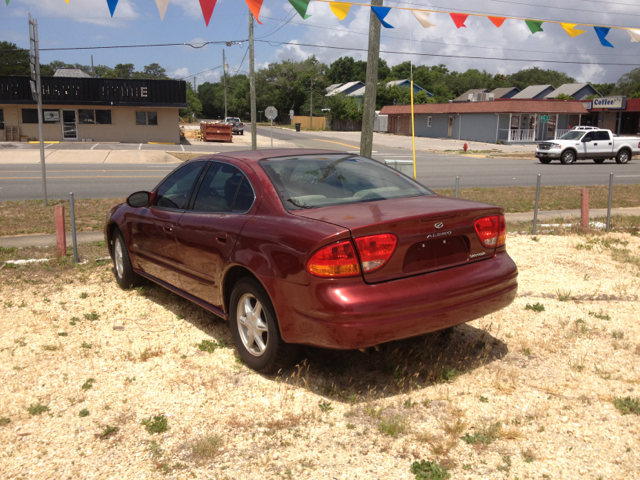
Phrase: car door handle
(167, 228)
(610, 143)
(221, 237)
(595, 144)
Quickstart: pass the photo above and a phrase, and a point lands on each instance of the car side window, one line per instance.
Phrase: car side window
(224, 189)
(175, 191)
(588, 136)
(602, 136)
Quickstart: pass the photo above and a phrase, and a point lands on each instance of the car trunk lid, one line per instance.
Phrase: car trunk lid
(434, 232)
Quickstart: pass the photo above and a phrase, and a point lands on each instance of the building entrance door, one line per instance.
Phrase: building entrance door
(69, 125)
(450, 129)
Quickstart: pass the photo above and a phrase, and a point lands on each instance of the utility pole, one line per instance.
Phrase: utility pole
(224, 73)
(252, 87)
(311, 109)
(93, 70)
(194, 84)
(36, 92)
(369, 107)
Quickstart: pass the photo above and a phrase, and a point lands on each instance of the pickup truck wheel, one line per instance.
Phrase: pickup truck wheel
(545, 160)
(598, 160)
(623, 156)
(568, 157)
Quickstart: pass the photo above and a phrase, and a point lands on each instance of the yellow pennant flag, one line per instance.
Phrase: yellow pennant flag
(571, 29)
(341, 10)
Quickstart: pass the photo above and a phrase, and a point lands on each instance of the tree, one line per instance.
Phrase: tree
(564, 96)
(344, 108)
(346, 69)
(537, 76)
(13, 60)
(629, 83)
(194, 106)
(152, 71)
(123, 70)
(604, 88)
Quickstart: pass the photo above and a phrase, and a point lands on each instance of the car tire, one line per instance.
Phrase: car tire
(623, 156)
(122, 268)
(545, 160)
(599, 160)
(568, 157)
(241, 133)
(255, 331)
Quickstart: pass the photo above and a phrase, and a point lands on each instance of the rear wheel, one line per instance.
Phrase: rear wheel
(254, 327)
(568, 157)
(125, 276)
(599, 160)
(544, 160)
(623, 156)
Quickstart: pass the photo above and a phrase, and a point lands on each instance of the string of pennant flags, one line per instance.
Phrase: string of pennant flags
(422, 15)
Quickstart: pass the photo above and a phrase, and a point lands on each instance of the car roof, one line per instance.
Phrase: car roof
(253, 156)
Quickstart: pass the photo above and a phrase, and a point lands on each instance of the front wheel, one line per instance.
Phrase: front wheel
(598, 160)
(623, 156)
(125, 276)
(254, 327)
(544, 160)
(568, 157)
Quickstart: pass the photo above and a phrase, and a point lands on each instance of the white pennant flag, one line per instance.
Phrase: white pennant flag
(162, 7)
(423, 18)
(635, 35)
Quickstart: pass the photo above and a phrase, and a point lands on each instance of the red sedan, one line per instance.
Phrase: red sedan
(313, 247)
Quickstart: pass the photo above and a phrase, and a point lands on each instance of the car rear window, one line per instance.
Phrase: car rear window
(311, 181)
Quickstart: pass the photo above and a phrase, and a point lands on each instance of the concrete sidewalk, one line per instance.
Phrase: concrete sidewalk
(543, 217)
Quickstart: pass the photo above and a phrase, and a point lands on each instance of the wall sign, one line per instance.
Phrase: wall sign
(51, 116)
(612, 103)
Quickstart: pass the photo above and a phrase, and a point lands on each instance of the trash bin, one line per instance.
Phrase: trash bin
(298, 125)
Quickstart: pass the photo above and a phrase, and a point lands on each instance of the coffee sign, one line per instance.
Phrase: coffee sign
(613, 103)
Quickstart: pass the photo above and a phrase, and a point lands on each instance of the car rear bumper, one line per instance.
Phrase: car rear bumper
(348, 315)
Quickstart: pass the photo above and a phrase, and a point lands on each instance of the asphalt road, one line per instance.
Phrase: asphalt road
(23, 182)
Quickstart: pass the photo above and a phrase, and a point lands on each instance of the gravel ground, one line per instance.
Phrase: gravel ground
(96, 382)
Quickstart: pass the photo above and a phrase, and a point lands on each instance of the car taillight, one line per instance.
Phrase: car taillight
(492, 231)
(376, 250)
(337, 260)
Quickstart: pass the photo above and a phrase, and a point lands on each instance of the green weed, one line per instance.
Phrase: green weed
(37, 409)
(325, 407)
(88, 385)
(92, 317)
(536, 307)
(156, 424)
(83, 413)
(108, 431)
(627, 405)
(4, 421)
(487, 435)
(210, 346)
(563, 295)
(425, 470)
(393, 426)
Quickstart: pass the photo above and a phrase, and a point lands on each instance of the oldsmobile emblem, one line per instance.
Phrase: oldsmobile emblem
(439, 225)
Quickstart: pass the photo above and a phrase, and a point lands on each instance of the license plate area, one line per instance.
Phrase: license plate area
(436, 253)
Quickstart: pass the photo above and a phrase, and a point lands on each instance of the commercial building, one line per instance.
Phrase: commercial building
(78, 108)
(511, 121)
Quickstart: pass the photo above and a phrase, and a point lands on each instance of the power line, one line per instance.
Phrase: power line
(199, 73)
(274, 43)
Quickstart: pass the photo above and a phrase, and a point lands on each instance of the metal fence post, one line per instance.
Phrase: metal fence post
(457, 185)
(535, 210)
(73, 231)
(609, 204)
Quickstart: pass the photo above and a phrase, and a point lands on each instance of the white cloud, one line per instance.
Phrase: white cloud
(87, 11)
(181, 73)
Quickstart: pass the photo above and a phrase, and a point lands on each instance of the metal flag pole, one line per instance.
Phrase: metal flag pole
(36, 93)
(413, 125)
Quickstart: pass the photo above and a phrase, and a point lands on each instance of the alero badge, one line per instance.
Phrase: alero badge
(439, 225)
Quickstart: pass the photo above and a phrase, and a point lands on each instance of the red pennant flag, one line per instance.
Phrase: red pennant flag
(497, 21)
(207, 9)
(255, 6)
(459, 19)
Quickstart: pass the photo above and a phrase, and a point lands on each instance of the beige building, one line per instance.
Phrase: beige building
(77, 109)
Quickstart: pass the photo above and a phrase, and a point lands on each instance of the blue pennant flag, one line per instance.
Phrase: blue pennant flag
(112, 5)
(381, 13)
(602, 33)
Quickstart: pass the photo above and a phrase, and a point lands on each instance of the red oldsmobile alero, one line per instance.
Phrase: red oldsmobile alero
(313, 247)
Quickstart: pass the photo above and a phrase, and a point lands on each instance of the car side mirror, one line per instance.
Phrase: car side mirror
(139, 199)
(586, 140)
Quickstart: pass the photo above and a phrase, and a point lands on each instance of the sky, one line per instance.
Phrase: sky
(87, 23)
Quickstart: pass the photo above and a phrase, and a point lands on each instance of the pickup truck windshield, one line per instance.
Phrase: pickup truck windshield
(231, 119)
(573, 135)
(311, 181)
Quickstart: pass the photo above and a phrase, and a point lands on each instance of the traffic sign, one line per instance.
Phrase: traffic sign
(271, 113)
(544, 118)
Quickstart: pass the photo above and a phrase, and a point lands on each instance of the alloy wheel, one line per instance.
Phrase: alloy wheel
(252, 326)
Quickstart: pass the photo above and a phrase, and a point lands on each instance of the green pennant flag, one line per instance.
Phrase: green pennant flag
(301, 7)
(8, 2)
(534, 26)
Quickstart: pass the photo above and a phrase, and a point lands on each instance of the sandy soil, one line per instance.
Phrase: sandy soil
(518, 394)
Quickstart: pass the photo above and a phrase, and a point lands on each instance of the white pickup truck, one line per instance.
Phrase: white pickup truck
(588, 142)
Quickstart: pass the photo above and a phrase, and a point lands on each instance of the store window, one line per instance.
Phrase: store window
(103, 117)
(86, 116)
(1, 119)
(146, 118)
(429, 122)
(29, 115)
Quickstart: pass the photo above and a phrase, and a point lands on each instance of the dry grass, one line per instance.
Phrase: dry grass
(530, 414)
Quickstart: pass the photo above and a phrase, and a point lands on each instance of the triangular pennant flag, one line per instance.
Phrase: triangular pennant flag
(571, 29)
(112, 6)
(162, 7)
(340, 10)
(635, 34)
(602, 35)
(423, 18)
(459, 19)
(8, 2)
(207, 7)
(255, 6)
(534, 25)
(67, 2)
(301, 7)
(497, 21)
(381, 13)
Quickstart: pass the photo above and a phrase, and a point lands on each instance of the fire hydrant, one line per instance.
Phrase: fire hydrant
(465, 147)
